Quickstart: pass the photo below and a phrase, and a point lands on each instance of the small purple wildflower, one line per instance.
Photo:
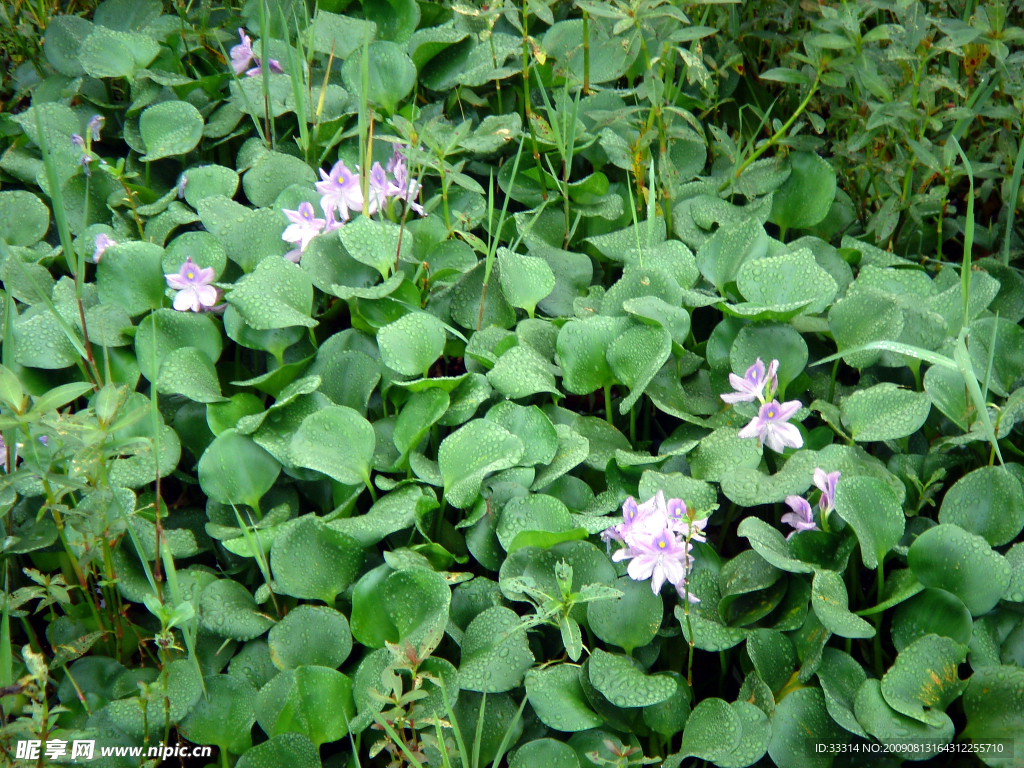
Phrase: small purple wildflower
(84, 161)
(95, 126)
(304, 225)
(193, 286)
(339, 191)
(752, 386)
(772, 428)
(78, 141)
(242, 55)
(660, 558)
(102, 242)
(181, 186)
(801, 518)
(826, 483)
(379, 189)
(403, 188)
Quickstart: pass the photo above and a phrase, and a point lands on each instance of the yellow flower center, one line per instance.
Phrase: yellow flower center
(771, 414)
(190, 275)
(661, 544)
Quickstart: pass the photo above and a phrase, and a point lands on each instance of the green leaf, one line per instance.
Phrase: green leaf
(310, 635)
(874, 512)
(234, 470)
(864, 316)
(64, 37)
(286, 750)
(24, 218)
(337, 441)
(417, 602)
(532, 427)
(923, 681)
(556, 695)
(131, 276)
(170, 128)
(988, 502)
(931, 611)
(224, 716)
(805, 198)
(582, 350)
(670, 716)
(411, 344)
(420, 412)
(396, 511)
(721, 257)
(396, 19)
(841, 678)
(635, 357)
(948, 557)
(392, 75)
(525, 280)
(713, 731)
(521, 372)
(340, 34)
(471, 453)
(629, 621)
(109, 53)
(793, 277)
(994, 704)
(203, 181)
(831, 604)
(248, 235)
(166, 330)
(624, 684)
(723, 452)
(188, 371)
(800, 725)
(278, 294)
(536, 512)
(884, 412)
(495, 652)
(374, 243)
(228, 610)
(312, 561)
(900, 734)
(547, 752)
(318, 704)
(270, 175)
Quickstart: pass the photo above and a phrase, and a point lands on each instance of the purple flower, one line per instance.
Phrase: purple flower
(801, 518)
(304, 225)
(660, 558)
(379, 189)
(339, 191)
(193, 286)
(3, 454)
(827, 484)
(95, 126)
(84, 161)
(242, 55)
(403, 188)
(751, 386)
(772, 428)
(181, 186)
(78, 141)
(102, 242)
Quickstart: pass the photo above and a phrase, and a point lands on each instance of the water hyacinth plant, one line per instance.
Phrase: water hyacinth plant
(514, 384)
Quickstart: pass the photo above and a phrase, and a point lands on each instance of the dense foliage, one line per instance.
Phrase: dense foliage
(561, 382)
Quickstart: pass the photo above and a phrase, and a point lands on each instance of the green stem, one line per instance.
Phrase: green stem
(775, 138)
(608, 403)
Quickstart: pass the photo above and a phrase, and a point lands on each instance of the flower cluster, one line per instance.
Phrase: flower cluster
(656, 538)
(341, 194)
(802, 518)
(771, 425)
(242, 56)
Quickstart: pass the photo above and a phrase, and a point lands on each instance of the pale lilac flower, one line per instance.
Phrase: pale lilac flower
(403, 188)
(304, 225)
(752, 386)
(181, 186)
(659, 558)
(339, 191)
(379, 189)
(193, 286)
(242, 55)
(801, 518)
(84, 161)
(102, 242)
(78, 141)
(826, 483)
(772, 428)
(95, 126)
